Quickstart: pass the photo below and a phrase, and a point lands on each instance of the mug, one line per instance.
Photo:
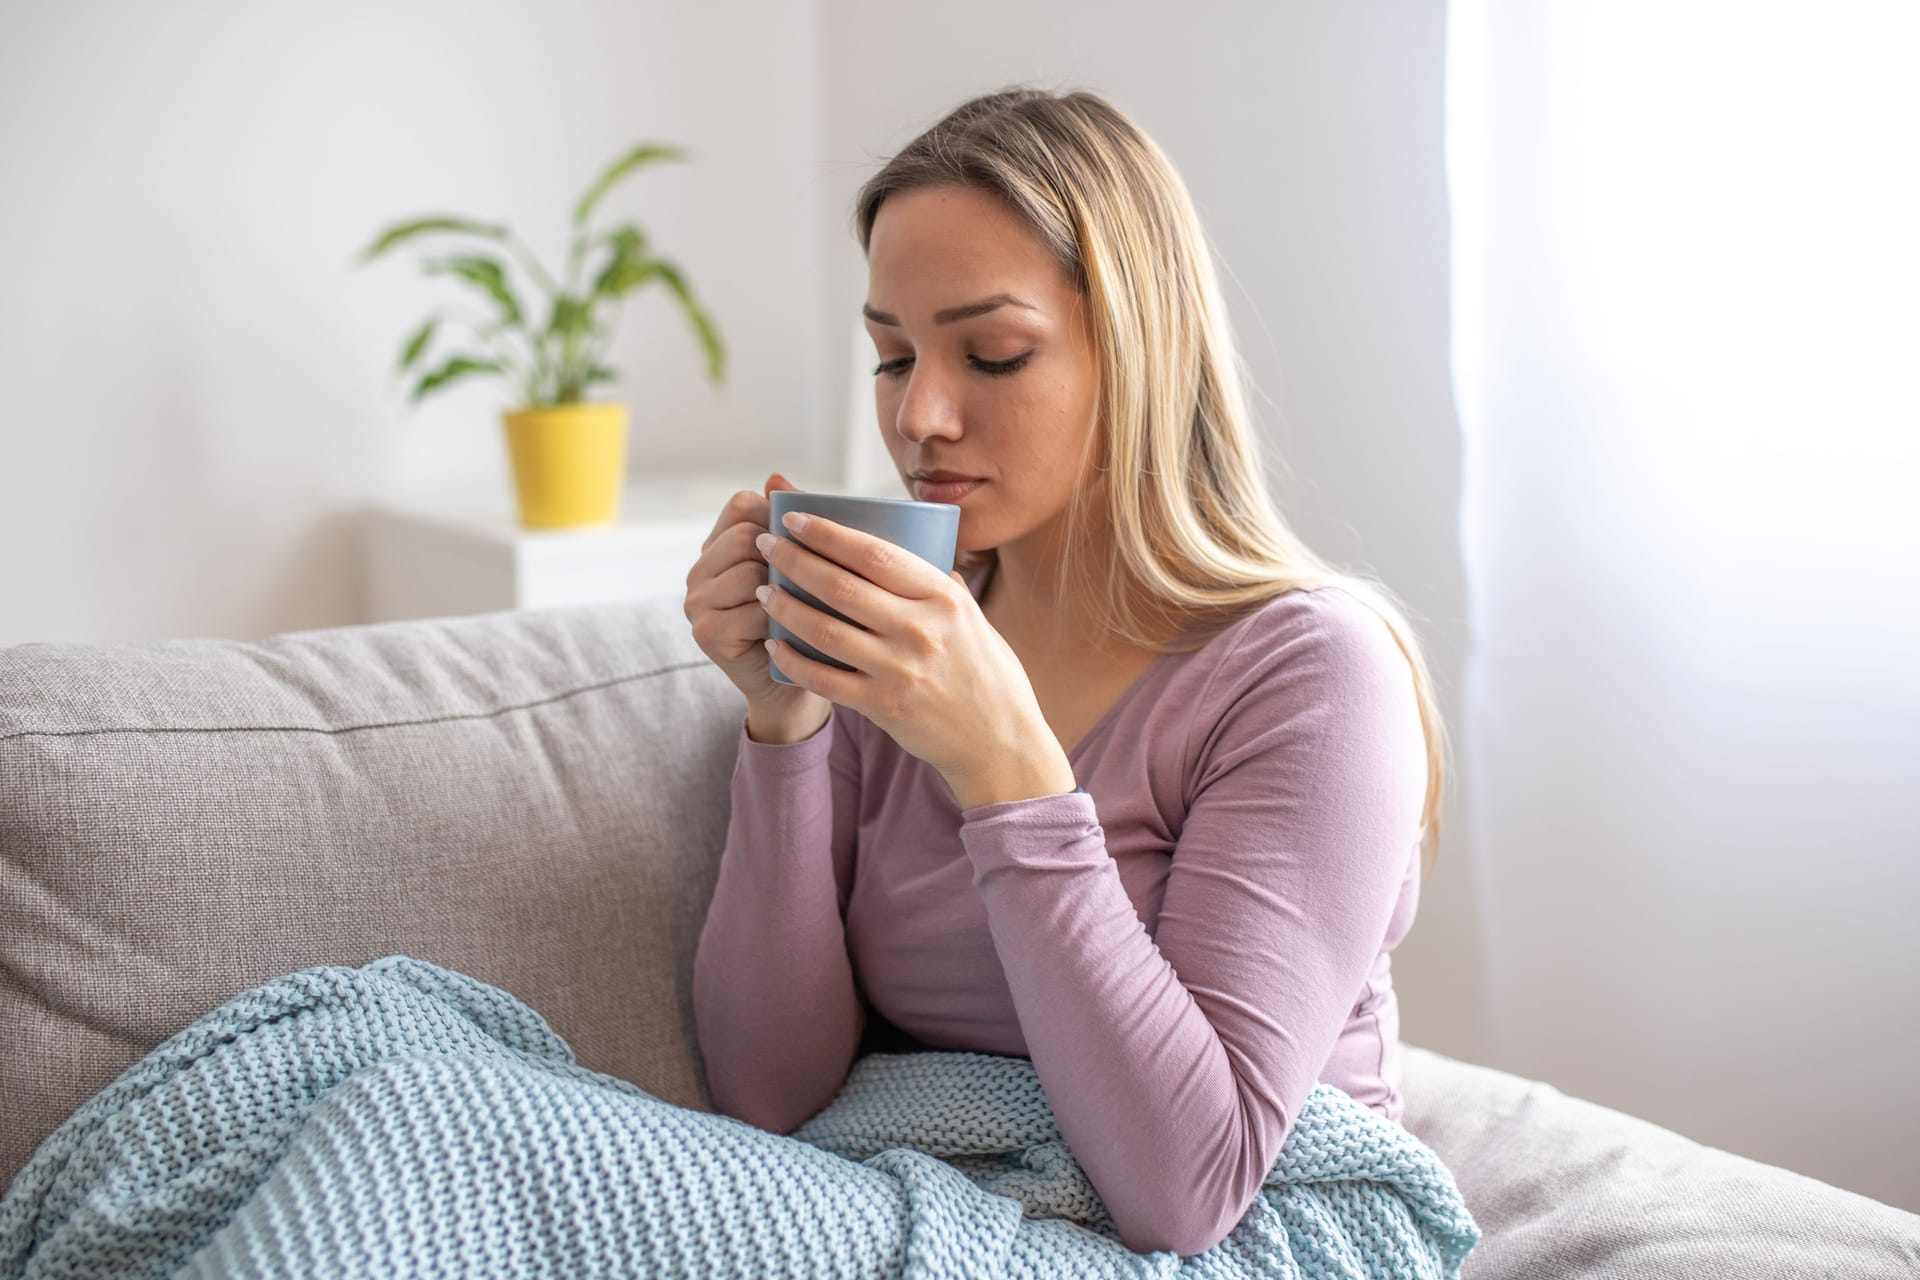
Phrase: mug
(928, 529)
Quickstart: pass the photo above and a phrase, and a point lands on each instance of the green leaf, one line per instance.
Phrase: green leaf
(624, 277)
(627, 267)
(571, 316)
(702, 323)
(488, 274)
(600, 373)
(634, 159)
(417, 343)
(457, 367)
(401, 231)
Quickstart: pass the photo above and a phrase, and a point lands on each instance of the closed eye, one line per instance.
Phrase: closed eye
(993, 368)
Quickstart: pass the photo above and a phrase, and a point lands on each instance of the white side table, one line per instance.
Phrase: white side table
(457, 553)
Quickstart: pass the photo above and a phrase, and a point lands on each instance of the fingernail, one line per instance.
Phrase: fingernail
(763, 593)
(796, 521)
(765, 543)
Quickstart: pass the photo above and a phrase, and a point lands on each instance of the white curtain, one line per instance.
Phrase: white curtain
(1687, 361)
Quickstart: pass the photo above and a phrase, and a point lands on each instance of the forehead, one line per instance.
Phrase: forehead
(930, 245)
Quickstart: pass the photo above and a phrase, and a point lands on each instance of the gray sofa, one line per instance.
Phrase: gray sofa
(538, 798)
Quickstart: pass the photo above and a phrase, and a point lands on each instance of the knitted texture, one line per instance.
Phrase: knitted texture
(401, 1119)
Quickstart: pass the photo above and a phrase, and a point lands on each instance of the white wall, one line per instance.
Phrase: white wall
(198, 389)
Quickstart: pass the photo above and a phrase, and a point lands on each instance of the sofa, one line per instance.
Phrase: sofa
(538, 798)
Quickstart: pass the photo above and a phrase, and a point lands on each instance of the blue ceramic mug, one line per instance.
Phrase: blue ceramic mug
(928, 529)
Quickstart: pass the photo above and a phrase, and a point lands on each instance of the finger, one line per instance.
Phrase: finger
(838, 589)
(826, 633)
(887, 565)
(831, 683)
(730, 547)
(735, 586)
(745, 505)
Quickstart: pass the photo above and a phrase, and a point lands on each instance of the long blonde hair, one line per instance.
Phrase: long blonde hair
(1184, 498)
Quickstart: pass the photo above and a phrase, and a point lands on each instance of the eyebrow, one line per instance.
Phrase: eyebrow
(951, 314)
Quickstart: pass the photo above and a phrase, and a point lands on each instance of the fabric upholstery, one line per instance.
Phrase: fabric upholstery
(1560, 1186)
(536, 798)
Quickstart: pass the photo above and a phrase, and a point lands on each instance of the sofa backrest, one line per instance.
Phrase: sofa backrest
(537, 798)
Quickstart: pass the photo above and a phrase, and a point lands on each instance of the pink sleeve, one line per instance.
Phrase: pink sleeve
(776, 1010)
(1176, 1064)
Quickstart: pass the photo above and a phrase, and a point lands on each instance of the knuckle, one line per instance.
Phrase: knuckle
(831, 634)
(883, 556)
(843, 591)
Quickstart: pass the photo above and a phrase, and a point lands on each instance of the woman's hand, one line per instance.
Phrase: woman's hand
(929, 669)
(728, 625)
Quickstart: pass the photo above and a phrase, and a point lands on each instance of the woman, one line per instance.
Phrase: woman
(1139, 790)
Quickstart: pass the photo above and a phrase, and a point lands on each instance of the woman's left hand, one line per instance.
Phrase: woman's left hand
(929, 669)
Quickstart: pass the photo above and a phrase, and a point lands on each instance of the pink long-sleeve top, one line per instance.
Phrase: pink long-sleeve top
(1182, 949)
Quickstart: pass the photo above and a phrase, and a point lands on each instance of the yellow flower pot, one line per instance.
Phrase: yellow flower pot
(569, 463)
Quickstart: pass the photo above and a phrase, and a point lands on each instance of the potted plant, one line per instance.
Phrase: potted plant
(568, 452)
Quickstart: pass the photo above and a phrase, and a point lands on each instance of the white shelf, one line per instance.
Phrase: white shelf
(458, 552)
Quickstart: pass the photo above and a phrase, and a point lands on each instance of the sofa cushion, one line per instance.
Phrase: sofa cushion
(1564, 1187)
(536, 798)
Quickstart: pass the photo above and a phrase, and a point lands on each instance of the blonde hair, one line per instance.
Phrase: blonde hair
(1184, 498)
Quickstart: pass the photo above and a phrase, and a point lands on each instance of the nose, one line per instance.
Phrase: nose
(928, 406)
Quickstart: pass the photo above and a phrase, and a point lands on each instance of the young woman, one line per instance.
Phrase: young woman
(1137, 792)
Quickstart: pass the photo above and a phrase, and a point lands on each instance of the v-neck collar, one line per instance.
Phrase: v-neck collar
(977, 580)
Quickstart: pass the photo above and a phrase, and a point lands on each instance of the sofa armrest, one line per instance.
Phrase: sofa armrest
(1567, 1188)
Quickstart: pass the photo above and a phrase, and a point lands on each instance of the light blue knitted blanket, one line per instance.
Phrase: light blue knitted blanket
(402, 1119)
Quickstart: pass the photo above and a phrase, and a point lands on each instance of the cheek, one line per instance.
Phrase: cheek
(1060, 418)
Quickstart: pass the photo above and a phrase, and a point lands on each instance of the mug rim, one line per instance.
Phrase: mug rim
(860, 499)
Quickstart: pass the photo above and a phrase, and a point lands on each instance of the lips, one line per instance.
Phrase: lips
(942, 477)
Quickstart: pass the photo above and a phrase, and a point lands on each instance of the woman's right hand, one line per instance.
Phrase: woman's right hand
(730, 624)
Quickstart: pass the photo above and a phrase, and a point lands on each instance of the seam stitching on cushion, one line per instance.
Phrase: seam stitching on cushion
(354, 728)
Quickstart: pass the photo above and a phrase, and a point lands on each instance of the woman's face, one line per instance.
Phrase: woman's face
(986, 361)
